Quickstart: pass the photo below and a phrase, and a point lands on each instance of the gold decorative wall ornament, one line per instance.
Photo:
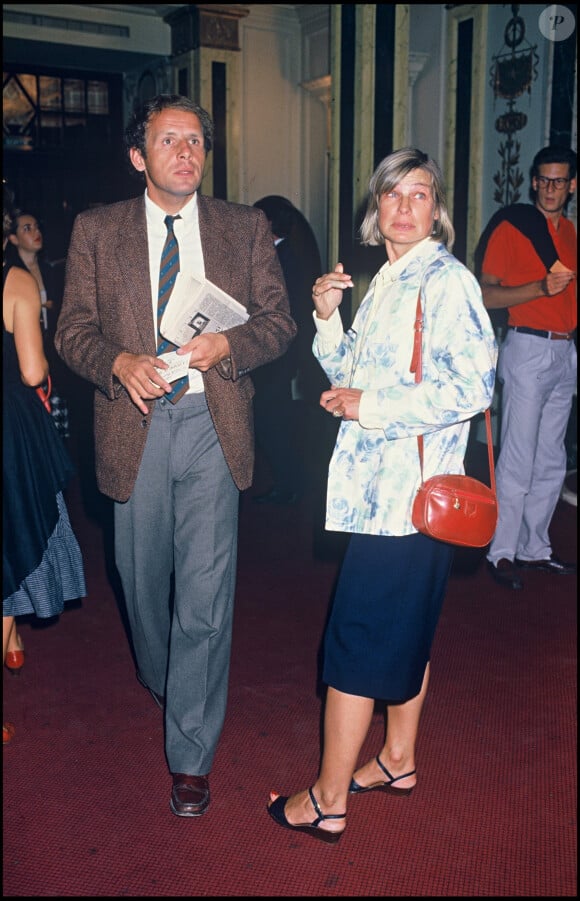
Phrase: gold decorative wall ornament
(513, 71)
(197, 25)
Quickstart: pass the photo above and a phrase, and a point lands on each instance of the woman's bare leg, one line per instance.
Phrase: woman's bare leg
(8, 636)
(398, 752)
(346, 722)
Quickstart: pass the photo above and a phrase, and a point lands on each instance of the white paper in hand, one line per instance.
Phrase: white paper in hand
(178, 365)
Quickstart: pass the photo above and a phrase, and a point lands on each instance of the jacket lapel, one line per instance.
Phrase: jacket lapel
(217, 249)
(133, 266)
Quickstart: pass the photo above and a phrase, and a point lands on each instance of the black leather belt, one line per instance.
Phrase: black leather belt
(554, 336)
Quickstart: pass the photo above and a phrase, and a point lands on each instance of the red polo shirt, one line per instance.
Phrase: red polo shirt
(511, 257)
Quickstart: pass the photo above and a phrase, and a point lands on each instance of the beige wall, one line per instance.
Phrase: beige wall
(284, 103)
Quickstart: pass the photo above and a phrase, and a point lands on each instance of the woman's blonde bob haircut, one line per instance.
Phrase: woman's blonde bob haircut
(387, 176)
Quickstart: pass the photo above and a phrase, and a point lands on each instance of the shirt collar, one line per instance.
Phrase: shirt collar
(390, 272)
(156, 216)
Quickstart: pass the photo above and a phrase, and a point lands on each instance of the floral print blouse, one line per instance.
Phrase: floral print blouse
(374, 472)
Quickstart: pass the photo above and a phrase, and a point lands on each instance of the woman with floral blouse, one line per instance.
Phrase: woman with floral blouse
(393, 579)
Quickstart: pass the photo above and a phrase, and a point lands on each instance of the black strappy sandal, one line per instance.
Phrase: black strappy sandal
(356, 789)
(276, 811)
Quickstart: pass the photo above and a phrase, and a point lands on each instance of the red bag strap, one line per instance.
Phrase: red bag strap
(45, 395)
(416, 360)
(417, 367)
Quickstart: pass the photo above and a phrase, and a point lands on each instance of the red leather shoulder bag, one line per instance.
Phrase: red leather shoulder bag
(457, 509)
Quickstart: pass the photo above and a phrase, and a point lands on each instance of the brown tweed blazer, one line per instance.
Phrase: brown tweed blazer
(107, 309)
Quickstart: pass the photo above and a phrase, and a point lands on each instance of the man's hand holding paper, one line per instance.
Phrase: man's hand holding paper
(205, 351)
(177, 365)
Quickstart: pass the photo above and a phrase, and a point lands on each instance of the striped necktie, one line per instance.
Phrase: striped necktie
(167, 274)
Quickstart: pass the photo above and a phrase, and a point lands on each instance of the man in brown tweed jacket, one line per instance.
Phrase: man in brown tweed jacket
(174, 470)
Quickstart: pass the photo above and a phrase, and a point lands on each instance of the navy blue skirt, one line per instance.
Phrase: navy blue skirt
(385, 611)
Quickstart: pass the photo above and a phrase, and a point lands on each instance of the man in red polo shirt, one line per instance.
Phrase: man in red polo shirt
(538, 369)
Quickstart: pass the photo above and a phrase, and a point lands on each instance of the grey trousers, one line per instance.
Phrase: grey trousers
(539, 380)
(182, 521)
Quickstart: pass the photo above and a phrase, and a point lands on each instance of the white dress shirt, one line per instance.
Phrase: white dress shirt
(186, 230)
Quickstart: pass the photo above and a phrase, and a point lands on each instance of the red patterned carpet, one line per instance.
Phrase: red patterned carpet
(86, 789)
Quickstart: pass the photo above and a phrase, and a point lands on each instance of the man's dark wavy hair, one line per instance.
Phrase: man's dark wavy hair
(554, 154)
(136, 130)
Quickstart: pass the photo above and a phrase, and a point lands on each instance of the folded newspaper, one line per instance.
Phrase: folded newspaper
(197, 306)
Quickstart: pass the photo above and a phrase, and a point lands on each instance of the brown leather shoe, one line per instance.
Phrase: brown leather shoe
(189, 795)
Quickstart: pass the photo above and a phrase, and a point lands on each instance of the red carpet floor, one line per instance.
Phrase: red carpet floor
(86, 788)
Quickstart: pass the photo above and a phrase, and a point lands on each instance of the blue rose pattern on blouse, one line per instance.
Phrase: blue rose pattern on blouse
(374, 471)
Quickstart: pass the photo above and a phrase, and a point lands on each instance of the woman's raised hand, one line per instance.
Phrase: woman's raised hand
(327, 291)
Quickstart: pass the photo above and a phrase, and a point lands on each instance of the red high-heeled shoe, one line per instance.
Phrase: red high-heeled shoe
(8, 731)
(14, 661)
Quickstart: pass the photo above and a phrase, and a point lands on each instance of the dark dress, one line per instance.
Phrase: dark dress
(52, 276)
(42, 562)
